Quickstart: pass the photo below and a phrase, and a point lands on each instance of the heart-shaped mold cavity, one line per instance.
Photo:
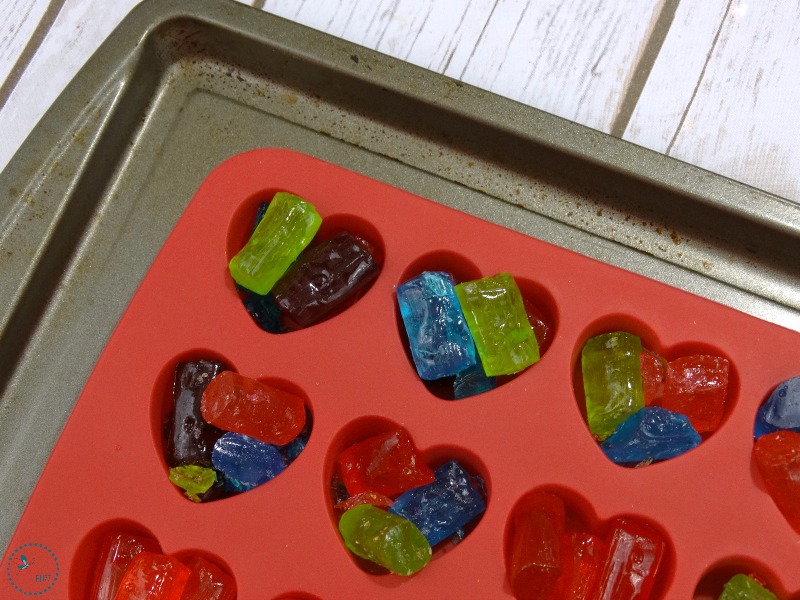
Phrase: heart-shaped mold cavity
(104, 555)
(444, 268)
(240, 450)
(712, 583)
(649, 402)
(555, 546)
(442, 490)
(337, 267)
(297, 596)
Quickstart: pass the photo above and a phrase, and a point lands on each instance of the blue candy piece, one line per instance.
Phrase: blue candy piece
(473, 381)
(441, 508)
(651, 433)
(245, 462)
(264, 310)
(781, 410)
(441, 344)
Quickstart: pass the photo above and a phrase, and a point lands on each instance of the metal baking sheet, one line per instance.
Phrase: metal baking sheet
(182, 85)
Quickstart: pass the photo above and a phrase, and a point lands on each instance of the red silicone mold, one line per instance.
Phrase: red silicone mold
(279, 540)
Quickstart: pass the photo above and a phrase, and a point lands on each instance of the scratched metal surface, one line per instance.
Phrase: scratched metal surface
(182, 85)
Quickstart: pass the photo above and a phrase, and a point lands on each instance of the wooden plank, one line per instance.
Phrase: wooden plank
(732, 109)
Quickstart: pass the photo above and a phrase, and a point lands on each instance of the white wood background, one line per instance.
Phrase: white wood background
(713, 82)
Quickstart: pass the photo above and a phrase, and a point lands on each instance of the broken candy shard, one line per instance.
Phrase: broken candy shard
(324, 280)
(236, 403)
(386, 463)
(116, 554)
(535, 560)
(496, 317)
(286, 229)
(781, 410)
(697, 386)
(440, 342)
(635, 550)
(246, 462)
(385, 539)
(654, 374)
(652, 433)
(195, 480)
(742, 587)
(189, 437)
(441, 508)
(612, 380)
(208, 582)
(778, 459)
(372, 498)
(472, 382)
(582, 562)
(152, 576)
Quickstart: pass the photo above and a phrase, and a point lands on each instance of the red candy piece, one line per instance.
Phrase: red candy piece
(372, 498)
(582, 562)
(697, 387)
(208, 582)
(116, 554)
(243, 405)
(654, 374)
(541, 330)
(535, 561)
(385, 464)
(153, 576)
(634, 553)
(778, 459)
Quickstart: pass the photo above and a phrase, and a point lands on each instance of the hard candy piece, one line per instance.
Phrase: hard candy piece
(472, 382)
(208, 582)
(778, 459)
(386, 463)
(117, 551)
(373, 498)
(635, 551)
(440, 342)
(441, 508)
(582, 563)
(246, 462)
(324, 280)
(697, 386)
(264, 311)
(652, 433)
(236, 403)
(189, 437)
(193, 479)
(781, 410)
(654, 375)
(288, 226)
(541, 327)
(535, 560)
(495, 314)
(153, 576)
(293, 449)
(612, 380)
(742, 587)
(385, 539)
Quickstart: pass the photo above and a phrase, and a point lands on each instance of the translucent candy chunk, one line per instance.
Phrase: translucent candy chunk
(116, 554)
(612, 380)
(385, 539)
(194, 479)
(742, 587)
(472, 382)
(246, 462)
(236, 403)
(153, 576)
(652, 433)
(496, 316)
(781, 410)
(288, 226)
(582, 563)
(440, 341)
(635, 550)
(386, 463)
(208, 582)
(697, 386)
(778, 459)
(441, 508)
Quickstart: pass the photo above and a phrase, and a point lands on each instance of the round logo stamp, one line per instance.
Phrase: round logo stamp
(32, 569)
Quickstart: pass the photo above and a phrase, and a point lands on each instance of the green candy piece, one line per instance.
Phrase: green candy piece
(193, 479)
(742, 587)
(612, 380)
(386, 539)
(287, 227)
(496, 317)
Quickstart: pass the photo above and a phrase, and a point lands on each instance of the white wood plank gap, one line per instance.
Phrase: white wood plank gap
(18, 20)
